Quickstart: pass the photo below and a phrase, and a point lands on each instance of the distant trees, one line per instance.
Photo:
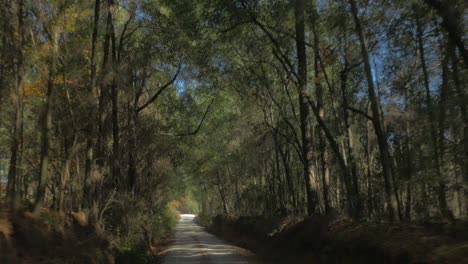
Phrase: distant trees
(373, 99)
(75, 77)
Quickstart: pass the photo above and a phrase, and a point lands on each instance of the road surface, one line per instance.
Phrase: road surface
(193, 245)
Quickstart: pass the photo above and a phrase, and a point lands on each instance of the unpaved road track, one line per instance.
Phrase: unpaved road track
(193, 245)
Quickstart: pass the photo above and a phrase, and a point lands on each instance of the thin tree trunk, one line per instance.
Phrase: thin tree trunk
(307, 151)
(392, 199)
(222, 193)
(288, 175)
(132, 139)
(89, 163)
(350, 161)
(319, 94)
(5, 6)
(277, 177)
(347, 178)
(47, 126)
(65, 176)
(103, 98)
(369, 164)
(409, 157)
(462, 99)
(15, 160)
(445, 211)
(115, 100)
(69, 152)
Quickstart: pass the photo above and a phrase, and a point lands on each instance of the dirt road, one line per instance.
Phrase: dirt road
(194, 245)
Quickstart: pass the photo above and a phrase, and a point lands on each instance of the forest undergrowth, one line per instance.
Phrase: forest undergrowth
(75, 237)
(341, 240)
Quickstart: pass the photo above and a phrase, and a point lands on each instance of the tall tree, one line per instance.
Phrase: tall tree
(94, 103)
(303, 90)
(46, 123)
(392, 198)
(15, 160)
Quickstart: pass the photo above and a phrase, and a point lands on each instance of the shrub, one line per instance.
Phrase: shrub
(133, 238)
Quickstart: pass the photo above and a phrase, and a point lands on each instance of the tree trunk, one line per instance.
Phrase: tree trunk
(15, 160)
(369, 164)
(392, 199)
(103, 98)
(47, 126)
(277, 189)
(89, 163)
(69, 152)
(319, 93)
(5, 6)
(132, 143)
(347, 178)
(452, 22)
(63, 183)
(307, 151)
(288, 175)
(350, 161)
(115, 104)
(409, 157)
(462, 99)
(222, 193)
(441, 196)
(445, 210)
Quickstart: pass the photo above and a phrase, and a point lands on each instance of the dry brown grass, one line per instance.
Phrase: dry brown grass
(80, 217)
(6, 228)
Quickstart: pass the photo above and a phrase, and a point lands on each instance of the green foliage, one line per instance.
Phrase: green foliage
(133, 238)
(165, 222)
(190, 206)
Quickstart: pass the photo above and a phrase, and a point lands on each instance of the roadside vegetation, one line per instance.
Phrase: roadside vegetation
(58, 237)
(339, 240)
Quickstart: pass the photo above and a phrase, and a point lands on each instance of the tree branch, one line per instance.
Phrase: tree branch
(200, 124)
(277, 45)
(357, 111)
(232, 27)
(159, 92)
(452, 24)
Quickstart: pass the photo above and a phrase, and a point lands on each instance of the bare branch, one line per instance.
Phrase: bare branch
(357, 111)
(200, 124)
(159, 92)
(284, 59)
(232, 27)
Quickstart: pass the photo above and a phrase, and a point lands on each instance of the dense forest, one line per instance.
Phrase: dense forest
(121, 112)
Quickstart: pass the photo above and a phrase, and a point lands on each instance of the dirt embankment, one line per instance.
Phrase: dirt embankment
(324, 240)
(51, 237)
(59, 237)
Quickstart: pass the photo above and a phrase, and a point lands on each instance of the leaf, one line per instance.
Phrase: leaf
(165, 11)
(35, 88)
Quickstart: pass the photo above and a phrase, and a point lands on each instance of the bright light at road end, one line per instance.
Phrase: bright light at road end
(187, 216)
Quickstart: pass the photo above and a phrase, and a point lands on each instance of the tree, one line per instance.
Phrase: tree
(15, 160)
(392, 198)
(304, 105)
(52, 36)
